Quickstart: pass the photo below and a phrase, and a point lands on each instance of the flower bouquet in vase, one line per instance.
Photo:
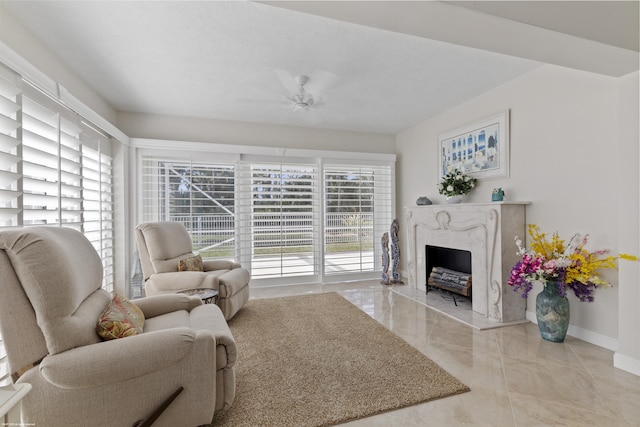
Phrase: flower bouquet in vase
(455, 185)
(560, 267)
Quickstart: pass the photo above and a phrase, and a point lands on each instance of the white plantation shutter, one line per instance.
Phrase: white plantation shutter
(357, 212)
(70, 175)
(279, 225)
(10, 153)
(97, 195)
(200, 195)
(40, 158)
(10, 147)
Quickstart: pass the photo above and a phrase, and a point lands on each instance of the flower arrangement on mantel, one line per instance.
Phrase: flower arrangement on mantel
(456, 183)
(568, 264)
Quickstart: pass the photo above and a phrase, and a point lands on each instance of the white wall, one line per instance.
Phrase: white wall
(628, 355)
(137, 125)
(565, 152)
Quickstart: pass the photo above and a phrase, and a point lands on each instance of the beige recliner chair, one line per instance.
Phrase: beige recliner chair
(162, 245)
(50, 302)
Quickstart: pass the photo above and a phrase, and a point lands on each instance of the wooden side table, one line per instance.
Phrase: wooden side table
(10, 409)
(208, 296)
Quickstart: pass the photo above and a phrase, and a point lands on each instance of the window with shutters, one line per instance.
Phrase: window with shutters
(357, 211)
(55, 167)
(280, 211)
(298, 220)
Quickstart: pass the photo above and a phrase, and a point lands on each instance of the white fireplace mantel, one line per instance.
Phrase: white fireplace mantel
(487, 230)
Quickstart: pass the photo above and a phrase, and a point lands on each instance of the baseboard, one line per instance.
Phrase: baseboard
(583, 334)
(626, 363)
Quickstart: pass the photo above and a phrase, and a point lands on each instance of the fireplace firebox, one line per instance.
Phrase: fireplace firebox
(448, 270)
(453, 259)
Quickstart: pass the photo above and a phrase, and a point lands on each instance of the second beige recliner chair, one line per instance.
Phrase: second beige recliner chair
(163, 244)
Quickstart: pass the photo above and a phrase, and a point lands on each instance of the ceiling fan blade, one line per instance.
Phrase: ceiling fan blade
(318, 102)
(287, 80)
(260, 101)
(321, 81)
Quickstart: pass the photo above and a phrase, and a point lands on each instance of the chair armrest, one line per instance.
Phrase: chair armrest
(175, 281)
(161, 304)
(219, 264)
(121, 359)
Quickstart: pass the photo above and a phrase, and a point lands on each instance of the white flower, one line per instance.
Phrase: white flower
(458, 177)
(449, 187)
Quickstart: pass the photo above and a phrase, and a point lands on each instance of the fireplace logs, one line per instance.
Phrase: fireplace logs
(450, 280)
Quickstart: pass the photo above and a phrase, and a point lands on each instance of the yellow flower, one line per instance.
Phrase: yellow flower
(629, 257)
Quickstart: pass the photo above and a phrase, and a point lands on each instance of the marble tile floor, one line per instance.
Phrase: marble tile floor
(516, 378)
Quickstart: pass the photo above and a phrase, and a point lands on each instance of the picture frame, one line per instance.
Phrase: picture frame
(480, 149)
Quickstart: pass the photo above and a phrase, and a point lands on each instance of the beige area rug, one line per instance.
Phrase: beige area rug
(318, 360)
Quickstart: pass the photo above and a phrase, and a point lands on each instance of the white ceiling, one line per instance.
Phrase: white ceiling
(372, 69)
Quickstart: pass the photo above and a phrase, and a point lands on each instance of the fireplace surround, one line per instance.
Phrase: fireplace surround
(487, 230)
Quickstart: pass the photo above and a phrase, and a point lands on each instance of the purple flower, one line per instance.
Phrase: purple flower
(583, 291)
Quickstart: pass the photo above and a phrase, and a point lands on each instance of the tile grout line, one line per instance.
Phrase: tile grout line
(504, 378)
(593, 379)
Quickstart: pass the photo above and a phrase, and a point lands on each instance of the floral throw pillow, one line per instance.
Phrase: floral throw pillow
(120, 319)
(193, 263)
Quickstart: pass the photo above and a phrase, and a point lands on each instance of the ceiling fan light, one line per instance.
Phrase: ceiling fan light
(303, 101)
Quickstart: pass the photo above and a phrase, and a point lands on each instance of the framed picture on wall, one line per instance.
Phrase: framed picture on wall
(480, 149)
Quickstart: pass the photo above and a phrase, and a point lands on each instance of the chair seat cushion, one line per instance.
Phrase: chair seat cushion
(174, 319)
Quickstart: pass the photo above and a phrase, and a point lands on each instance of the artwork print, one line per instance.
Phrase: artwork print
(480, 149)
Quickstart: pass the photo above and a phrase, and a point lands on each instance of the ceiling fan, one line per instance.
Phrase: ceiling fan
(303, 100)
(301, 93)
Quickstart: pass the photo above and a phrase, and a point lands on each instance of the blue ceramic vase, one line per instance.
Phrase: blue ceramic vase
(552, 312)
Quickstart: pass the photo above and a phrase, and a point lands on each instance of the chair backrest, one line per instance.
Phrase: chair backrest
(51, 293)
(161, 246)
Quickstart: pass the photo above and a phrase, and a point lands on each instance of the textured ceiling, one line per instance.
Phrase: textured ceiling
(237, 61)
